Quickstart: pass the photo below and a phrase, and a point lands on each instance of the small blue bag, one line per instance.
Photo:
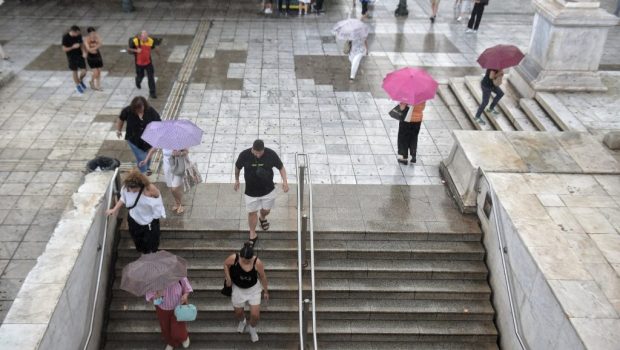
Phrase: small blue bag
(185, 313)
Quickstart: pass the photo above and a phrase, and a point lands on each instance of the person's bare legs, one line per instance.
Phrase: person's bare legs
(177, 194)
(254, 315)
(82, 75)
(75, 77)
(252, 221)
(239, 314)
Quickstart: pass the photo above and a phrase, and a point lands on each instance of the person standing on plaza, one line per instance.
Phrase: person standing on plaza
(359, 49)
(304, 5)
(365, 14)
(144, 209)
(476, 15)
(142, 46)
(260, 194)
(137, 115)
(434, 9)
(92, 45)
(490, 84)
(245, 273)
(461, 8)
(165, 301)
(173, 181)
(281, 10)
(73, 46)
(408, 131)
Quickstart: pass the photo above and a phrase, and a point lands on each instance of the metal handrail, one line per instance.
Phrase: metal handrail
(301, 225)
(110, 193)
(503, 249)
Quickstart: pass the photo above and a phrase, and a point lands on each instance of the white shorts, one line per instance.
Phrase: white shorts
(267, 201)
(171, 179)
(251, 296)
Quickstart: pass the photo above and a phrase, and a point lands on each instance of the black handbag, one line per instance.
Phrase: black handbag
(226, 291)
(399, 114)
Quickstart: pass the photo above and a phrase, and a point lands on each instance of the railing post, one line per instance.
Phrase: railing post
(301, 175)
(305, 320)
(304, 236)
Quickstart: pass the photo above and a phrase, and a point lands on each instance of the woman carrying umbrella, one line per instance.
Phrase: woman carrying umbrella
(145, 208)
(495, 59)
(412, 88)
(173, 181)
(165, 301)
(245, 272)
(354, 32)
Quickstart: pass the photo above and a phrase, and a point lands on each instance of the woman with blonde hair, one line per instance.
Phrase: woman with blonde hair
(145, 207)
(92, 44)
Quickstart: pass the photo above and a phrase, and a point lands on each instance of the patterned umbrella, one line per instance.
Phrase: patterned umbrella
(350, 29)
(172, 134)
(153, 272)
(500, 57)
(410, 85)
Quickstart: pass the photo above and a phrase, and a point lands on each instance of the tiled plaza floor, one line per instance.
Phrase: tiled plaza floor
(281, 79)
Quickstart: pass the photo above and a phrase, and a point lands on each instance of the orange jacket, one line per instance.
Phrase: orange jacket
(417, 112)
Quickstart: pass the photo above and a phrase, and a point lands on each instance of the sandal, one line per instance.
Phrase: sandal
(180, 209)
(149, 172)
(264, 224)
(253, 241)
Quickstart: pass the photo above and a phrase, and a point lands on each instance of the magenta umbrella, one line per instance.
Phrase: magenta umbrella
(172, 134)
(410, 85)
(500, 57)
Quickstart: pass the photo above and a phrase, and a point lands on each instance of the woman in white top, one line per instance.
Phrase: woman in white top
(359, 49)
(145, 208)
(174, 182)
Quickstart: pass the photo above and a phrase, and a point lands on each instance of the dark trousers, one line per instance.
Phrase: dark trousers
(364, 7)
(145, 237)
(281, 2)
(408, 138)
(476, 16)
(486, 96)
(319, 5)
(150, 73)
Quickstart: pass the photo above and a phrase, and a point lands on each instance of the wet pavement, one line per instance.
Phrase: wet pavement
(281, 79)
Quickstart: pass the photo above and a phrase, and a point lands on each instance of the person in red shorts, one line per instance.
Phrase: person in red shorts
(141, 46)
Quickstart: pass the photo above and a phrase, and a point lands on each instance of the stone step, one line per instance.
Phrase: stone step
(324, 249)
(243, 344)
(327, 309)
(559, 113)
(535, 112)
(353, 268)
(469, 104)
(454, 106)
(387, 288)
(510, 105)
(327, 330)
(501, 121)
(443, 234)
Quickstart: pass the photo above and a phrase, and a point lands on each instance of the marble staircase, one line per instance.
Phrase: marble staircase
(544, 112)
(374, 291)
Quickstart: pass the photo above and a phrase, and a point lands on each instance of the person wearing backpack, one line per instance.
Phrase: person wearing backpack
(476, 16)
(245, 273)
(141, 46)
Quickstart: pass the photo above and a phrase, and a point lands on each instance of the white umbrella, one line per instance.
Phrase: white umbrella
(351, 29)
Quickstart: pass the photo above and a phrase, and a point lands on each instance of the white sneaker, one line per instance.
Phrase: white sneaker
(253, 334)
(241, 326)
(468, 30)
(268, 11)
(459, 19)
(169, 347)
(186, 343)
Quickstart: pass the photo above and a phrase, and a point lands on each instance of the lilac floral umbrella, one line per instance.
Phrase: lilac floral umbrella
(172, 134)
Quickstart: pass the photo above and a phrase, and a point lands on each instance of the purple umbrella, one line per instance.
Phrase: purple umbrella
(500, 57)
(172, 134)
(153, 272)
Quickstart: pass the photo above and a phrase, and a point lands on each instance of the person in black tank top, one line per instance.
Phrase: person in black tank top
(245, 272)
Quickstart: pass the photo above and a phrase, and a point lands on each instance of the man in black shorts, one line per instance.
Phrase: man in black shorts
(258, 163)
(73, 46)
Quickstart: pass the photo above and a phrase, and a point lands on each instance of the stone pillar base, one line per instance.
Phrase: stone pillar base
(566, 47)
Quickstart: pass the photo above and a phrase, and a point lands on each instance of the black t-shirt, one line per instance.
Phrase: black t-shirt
(68, 41)
(258, 172)
(487, 81)
(136, 126)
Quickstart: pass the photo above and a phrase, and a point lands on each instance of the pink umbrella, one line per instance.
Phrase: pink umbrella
(153, 272)
(410, 85)
(500, 57)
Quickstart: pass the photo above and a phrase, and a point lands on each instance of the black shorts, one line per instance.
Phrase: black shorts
(95, 60)
(75, 63)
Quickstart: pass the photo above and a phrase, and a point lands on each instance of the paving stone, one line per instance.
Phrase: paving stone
(20, 216)
(18, 268)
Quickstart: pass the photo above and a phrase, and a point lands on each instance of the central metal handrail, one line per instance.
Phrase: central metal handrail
(303, 224)
(112, 189)
(503, 250)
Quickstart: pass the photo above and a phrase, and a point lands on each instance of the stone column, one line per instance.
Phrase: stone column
(566, 46)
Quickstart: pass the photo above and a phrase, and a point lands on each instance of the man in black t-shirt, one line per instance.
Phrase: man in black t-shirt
(258, 163)
(73, 46)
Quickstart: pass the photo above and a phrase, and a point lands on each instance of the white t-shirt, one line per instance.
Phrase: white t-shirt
(148, 208)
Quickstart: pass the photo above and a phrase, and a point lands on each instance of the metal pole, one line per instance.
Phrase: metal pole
(305, 319)
(301, 175)
(304, 236)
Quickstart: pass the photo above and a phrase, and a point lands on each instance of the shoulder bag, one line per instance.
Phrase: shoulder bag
(177, 165)
(399, 114)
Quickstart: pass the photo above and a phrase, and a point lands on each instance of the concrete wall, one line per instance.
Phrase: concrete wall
(543, 322)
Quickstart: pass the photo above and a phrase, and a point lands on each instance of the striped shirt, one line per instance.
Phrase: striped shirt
(172, 294)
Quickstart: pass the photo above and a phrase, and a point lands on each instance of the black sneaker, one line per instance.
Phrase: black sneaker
(138, 86)
(413, 159)
(402, 161)
(153, 96)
